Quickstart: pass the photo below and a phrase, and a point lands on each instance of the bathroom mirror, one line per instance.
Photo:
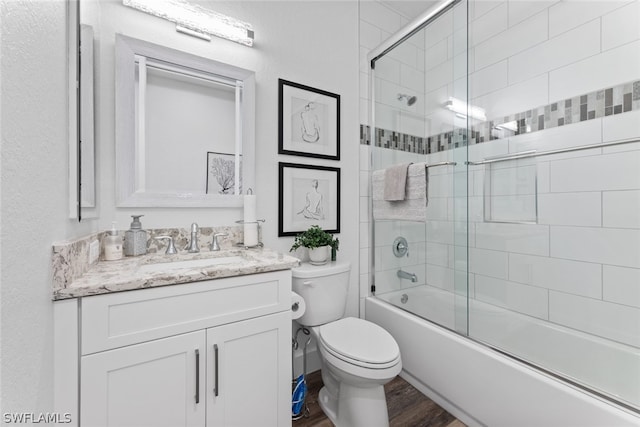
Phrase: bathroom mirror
(82, 189)
(184, 128)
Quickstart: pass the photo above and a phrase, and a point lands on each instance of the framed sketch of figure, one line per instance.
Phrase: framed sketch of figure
(308, 195)
(309, 121)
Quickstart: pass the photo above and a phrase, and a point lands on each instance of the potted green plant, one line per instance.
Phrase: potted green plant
(317, 242)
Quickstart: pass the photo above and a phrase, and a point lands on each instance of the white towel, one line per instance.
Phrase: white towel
(413, 207)
(395, 182)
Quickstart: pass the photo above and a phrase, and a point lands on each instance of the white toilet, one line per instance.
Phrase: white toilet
(358, 357)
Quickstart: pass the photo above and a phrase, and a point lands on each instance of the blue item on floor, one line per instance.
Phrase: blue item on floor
(299, 393)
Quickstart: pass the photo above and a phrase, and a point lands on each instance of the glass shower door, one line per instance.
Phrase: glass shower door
(555, 200)
(420, 117)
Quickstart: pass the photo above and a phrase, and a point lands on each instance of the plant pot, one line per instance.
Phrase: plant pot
(319, 256)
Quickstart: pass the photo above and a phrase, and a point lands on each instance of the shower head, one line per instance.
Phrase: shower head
(410, 99)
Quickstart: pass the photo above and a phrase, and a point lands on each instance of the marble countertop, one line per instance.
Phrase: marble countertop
(154, 270)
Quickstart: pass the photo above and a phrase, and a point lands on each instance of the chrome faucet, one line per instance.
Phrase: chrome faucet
(215, 246)
(171, 248)
(405, 275)
(193, 244)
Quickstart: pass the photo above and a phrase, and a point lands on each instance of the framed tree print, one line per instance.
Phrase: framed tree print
(309, 121)
(308, 195)
(221, 174)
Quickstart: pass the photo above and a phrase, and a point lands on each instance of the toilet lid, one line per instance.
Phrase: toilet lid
(359, 340)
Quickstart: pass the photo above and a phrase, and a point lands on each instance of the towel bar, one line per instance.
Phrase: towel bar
(533, 153)
(440, 164)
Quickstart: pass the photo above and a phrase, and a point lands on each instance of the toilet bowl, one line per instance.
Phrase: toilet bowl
(358, 357)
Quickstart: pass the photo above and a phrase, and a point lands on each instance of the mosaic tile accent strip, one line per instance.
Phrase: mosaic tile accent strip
(414, 144)
(601, 103)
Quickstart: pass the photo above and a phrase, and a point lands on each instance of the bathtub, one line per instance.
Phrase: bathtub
(483, 387)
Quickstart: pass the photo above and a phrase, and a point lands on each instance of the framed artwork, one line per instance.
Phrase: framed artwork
(309, 121)
(308, 195)
(221, 173)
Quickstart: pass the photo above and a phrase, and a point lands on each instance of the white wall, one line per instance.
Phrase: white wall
(34, 195)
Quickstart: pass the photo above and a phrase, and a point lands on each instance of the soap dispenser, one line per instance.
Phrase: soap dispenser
(112, 244)
(135, 239)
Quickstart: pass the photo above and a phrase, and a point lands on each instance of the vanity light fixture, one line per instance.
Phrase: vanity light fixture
(462, 109)
(510, 126)
(195, 20)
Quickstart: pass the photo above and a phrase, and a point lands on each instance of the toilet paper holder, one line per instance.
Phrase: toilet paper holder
(298, 306)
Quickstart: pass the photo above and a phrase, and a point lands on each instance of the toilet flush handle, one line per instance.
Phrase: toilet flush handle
(308, 283)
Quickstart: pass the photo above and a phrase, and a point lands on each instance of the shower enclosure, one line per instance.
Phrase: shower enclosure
(525, 117)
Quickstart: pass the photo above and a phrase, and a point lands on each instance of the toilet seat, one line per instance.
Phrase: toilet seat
(359, 342)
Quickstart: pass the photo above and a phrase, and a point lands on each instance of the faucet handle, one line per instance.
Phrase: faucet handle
(214, 243)
(171, 248)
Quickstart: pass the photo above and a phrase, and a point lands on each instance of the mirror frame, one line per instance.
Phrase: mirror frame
(126, 193)
(77, 85)
(73, 88)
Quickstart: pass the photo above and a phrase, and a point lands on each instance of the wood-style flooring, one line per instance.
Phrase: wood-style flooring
(407, 407)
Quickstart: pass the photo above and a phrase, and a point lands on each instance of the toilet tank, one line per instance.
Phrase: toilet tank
(324, 290)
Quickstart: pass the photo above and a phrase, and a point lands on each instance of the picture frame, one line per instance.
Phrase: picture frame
(308, 195)
(308, 121)
(221, 172)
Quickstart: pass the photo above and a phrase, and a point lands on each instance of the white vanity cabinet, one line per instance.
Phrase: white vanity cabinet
(211, 353)
(248, 375)
(147, 384)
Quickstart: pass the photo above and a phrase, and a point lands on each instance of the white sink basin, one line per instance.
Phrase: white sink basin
(189, 264)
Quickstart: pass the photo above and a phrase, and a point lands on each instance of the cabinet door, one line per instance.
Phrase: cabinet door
(248, 373)
(150, 384)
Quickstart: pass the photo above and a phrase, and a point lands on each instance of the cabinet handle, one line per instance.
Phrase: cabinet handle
(215, 363)
(197, 376)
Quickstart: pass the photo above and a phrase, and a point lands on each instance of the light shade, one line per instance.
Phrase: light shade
(198, 21)
(510, 126)
(464, 109)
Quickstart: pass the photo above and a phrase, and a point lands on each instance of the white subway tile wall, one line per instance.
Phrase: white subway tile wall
(529, 33)
(564, 15)
(608, 69)
(568, 74)
(530, 300)
(621, 26)
(620, 285)
(556, 52)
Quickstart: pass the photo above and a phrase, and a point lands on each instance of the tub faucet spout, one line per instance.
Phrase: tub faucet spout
(405, 275)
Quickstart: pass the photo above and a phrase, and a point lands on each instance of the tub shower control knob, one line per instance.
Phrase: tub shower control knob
(400, 247)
